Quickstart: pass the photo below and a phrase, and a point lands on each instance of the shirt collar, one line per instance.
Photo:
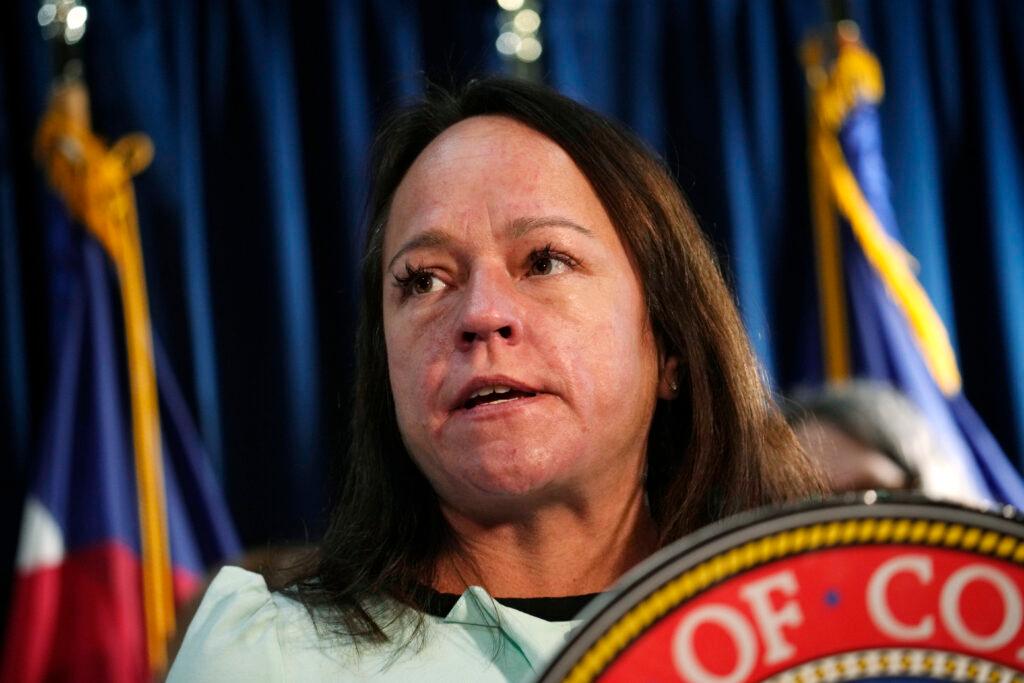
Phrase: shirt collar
(535, 639)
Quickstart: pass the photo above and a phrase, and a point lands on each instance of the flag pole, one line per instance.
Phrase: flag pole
(95, 182)
(816, 55)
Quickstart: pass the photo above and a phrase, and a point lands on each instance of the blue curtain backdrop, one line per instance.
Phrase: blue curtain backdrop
(261, 114)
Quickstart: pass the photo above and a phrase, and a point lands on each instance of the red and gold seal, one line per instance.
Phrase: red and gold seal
(864, 589)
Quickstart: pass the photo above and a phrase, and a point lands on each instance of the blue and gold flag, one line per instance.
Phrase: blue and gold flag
(876, 319)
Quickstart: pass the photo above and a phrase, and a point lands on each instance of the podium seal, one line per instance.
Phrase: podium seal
(863, 588)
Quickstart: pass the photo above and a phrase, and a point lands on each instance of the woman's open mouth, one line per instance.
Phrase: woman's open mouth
(491, 395)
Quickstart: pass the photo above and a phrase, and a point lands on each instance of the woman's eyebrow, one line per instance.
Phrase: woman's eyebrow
(520, 227)
(429, 238)
(517, 229)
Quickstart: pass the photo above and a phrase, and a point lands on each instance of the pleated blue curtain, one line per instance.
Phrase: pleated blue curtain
(261, 115)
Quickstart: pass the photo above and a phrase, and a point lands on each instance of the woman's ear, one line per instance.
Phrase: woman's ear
(668, 383)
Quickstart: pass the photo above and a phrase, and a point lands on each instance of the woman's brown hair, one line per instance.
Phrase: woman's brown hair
(720, 447)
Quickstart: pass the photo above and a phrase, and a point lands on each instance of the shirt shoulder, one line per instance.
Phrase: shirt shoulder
(242, 631)
(234, 634)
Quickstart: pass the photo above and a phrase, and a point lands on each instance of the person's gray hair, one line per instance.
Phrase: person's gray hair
(884, 419)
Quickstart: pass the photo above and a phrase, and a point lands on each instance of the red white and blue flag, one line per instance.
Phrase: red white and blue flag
(78, 607)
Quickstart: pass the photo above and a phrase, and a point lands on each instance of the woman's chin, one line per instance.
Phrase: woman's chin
(504, 486)
(512, 480)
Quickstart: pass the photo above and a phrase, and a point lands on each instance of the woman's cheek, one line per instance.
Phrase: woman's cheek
(416, 361)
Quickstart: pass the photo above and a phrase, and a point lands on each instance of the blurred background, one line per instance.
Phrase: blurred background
(261, 114)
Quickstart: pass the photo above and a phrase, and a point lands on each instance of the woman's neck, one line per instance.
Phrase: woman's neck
(554, 551)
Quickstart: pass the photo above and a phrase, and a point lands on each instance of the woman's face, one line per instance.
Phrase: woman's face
(523, 368)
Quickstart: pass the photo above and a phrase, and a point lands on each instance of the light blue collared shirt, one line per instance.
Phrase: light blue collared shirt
(244, 632)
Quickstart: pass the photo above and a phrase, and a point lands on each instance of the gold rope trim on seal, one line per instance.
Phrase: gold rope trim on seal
(95, 183)
(856, 77)
(954, 536)
(899, 661)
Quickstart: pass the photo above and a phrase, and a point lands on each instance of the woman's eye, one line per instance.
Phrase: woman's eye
(425, 283)
(418, 282)
(547, 262)
(546, 265)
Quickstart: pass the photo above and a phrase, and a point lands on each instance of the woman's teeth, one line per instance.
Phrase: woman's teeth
(487, 391)
(495, 394)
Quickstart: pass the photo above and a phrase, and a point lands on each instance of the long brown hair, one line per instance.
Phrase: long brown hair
(719, 448)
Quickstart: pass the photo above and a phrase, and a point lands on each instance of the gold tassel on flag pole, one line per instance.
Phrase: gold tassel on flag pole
(855, 76)
(95, 182)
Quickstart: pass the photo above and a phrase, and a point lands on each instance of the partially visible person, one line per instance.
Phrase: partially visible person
(868, 435)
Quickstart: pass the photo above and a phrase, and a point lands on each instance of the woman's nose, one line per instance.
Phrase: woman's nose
(490, 311)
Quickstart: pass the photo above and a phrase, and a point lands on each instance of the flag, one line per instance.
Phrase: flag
(876, 319)
(123, 516)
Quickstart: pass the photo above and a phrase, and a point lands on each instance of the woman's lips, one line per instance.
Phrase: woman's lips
(493, 395)
(499, 408)
(487, 390)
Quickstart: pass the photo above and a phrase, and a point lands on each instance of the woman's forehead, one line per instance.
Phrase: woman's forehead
(493, 167)
(510, 150)
(486, 134)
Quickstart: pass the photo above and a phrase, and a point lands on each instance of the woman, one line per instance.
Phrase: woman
(553, 382)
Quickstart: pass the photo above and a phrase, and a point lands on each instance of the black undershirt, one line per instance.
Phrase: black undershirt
(549, 609)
